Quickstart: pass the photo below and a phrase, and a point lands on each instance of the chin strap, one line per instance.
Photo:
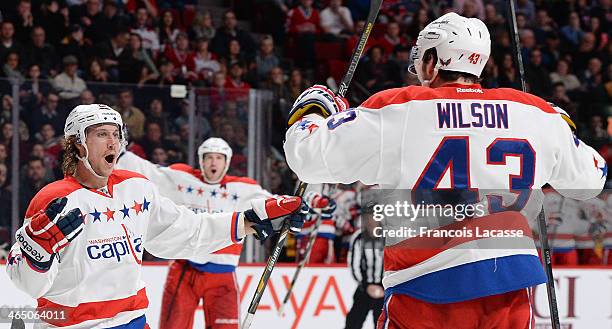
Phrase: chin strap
(85, 161)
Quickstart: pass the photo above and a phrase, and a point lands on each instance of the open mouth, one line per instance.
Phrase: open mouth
(109, 158)
(214, 171)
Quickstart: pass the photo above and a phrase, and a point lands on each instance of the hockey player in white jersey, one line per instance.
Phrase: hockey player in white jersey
(79, 252)
(449, 133)
(212, 277)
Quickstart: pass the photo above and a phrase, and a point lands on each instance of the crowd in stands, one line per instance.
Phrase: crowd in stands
(127, 53)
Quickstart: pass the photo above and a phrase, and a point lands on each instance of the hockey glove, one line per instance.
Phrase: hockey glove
(315, 200)
(268, 215)
(317, 99)
(328, 211)
(49, 232)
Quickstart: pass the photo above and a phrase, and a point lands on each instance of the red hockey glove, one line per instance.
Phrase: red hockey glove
(268, 215)
(49, 232)
(316, 200)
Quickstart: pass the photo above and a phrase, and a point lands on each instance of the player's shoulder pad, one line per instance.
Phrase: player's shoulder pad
(523, 98)
(182, 167)
(119, 175)
(237, 179)
(397, 96)
(50, 192)
(187, 169)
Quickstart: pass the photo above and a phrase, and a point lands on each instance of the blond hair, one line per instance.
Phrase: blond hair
(71, 152)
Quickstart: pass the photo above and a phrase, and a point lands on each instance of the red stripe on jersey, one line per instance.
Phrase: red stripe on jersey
(198, 174)
(120, 175)
(235, 179)
(234, 227)
(94, 310)
(328, 222)
(234, 249)
(57, 189)
(449, 91)
(188, 169)
(412, 251)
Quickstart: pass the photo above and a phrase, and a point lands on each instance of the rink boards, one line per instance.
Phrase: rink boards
(324, 295)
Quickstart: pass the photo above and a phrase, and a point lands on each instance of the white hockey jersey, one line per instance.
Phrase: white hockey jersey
(452, 137)
(184, 185)
(96, 280)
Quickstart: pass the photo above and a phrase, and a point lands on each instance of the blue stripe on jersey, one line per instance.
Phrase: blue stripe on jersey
(213, 267)
(138, 323)
(474, 280)
(563, 250)
(329, 236)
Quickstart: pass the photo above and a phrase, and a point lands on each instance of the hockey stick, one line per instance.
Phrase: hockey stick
(544, 247)
(517, 45)
(311, 239)
(265, 276)
(346, 80)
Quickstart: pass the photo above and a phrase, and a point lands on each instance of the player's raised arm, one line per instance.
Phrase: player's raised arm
(32, 261)
(176, 232)
(328, 144)
(580, 171)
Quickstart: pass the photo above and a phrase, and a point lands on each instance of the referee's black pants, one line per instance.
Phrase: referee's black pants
(362, 305)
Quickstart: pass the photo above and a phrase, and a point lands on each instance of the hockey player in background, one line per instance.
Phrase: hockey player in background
(414, 137)
(211, 277)
(564, 225)
(79, 252)
(322, 251)
(207, 277)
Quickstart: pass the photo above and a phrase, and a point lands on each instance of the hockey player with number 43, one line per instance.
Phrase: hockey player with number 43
(79, 252)
(413, 137)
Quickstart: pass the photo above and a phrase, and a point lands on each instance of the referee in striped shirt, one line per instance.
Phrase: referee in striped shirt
(365, 260)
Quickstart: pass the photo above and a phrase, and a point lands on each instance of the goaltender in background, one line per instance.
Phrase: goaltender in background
(459, 212)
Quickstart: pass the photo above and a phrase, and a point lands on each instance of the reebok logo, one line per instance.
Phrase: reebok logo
(470, 90)
(25, 246)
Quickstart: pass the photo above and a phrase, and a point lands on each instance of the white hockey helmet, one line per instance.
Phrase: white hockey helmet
(462, 45)
(85, 116)
(215, 145)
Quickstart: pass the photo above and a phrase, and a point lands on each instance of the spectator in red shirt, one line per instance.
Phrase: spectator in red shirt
(303, 25)
(237, 88)
(150, 5)
(391, 38)
(351, 42)
(303, 19)
(179, 55)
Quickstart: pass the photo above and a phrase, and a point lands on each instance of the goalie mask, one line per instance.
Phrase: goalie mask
(85, 116)
(215, 145)
(462, 45)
